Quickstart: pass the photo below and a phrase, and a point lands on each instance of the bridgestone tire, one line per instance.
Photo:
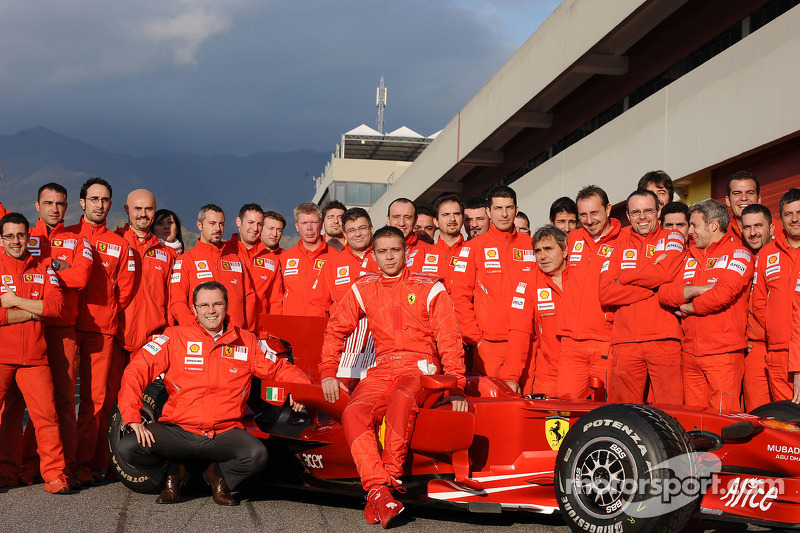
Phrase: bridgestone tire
(782, 411)
(605, 476)
(153, 399)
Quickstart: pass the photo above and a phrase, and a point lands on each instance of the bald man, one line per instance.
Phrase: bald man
(146, 316)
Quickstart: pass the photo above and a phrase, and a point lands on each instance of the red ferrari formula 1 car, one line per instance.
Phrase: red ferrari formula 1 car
(606, 467)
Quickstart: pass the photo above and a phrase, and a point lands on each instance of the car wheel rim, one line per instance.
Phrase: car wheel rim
(603, 476)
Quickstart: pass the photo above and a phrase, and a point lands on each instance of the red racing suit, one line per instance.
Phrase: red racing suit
(483, 284)
(584, 326)
(411, 319)
(645, 337)
(300, 268)
(208, 381)
(714, 337)
(777, 272)
(264, 269)
(62, 350)
(206, 262)
(23, 355)
(534, 311)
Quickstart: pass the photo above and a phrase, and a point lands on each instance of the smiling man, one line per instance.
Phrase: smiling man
(202, 417)
(411, 319)
(645, 256)
(208, 261)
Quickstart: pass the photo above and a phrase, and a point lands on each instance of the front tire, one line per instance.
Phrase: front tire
(153, 399)
(618, 467)
(782, 411)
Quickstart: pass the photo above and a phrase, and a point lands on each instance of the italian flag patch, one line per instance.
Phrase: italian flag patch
(274, 394)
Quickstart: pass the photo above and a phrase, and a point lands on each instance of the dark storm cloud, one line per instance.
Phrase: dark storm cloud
(238, 76)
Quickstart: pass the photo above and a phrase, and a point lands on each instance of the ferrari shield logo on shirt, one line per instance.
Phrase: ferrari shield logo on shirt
(56, 242)
(605, 250)
(524, 255)
(412, 298)
(226, 265)
(318, 264)
(555, 429)
(193, 348)
(651, 249)
(711, 262)
(151, 253)
(453, 261)
(490, 253)
(114, 250)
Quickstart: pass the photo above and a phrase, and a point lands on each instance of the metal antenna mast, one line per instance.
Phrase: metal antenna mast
(380, 101)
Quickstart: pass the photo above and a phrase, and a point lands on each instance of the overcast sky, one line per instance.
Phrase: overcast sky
(240, 76)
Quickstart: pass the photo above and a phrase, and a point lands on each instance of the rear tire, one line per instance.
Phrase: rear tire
(153, 399)
(782, 411)
(607, 476)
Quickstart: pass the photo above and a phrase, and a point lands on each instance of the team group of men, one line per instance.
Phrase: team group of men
(686, 305)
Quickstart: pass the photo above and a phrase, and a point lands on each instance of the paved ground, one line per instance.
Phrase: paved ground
(112, 508)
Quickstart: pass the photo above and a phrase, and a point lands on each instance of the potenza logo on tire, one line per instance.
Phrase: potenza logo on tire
(628, 468)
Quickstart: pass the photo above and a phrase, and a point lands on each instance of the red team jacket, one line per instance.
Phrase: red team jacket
(112, 281)
(208, 381)
(342, 270)
(448, 258)
(264, 270)
(583, 317)
(484, 281)
(301, 269)
(410, 316)
(777, 276)
(718, 325)
(206, 262)
(23, 343)
(147, 313)
(638, 314)
(67, 247)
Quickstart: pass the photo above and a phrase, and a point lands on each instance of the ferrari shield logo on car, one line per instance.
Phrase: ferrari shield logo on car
(412, 298)
(555, 429)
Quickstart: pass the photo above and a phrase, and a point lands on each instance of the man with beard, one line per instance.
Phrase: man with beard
(257, 259)
(757, 230)
(110, 289)
(476, 216)
(449, 220)
(207, 261)
(301, 265)
(332, 224)
(645, 337)
(675, 216)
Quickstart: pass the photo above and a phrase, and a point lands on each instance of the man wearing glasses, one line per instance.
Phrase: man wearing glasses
(110, 289)
(28, 294)
(645, 336)
(202, 418)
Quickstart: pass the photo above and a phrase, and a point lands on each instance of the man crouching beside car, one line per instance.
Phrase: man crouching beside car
(209, 365)
(411, 319)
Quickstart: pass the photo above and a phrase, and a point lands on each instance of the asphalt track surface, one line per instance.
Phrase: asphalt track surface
(113, 508)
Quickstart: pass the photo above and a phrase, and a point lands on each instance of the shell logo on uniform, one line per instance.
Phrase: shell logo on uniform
(630, 254)
(491, 253)
(292, 263)
(8, 279)
(545, 295)
(772, 259)
(578, 246)
(430, 258)
(343, 271)
(33, 242)
(57, 243)
(201, 265)
(194, 347)
(319, 264)
(412, 298)
(691, 263)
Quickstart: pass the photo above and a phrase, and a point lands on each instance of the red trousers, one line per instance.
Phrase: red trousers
(119, 360)
(755, 383)
(545, 374)
(36, 385)
(632, 362)
(489, 358)
(781, 384)
(713, 381)
(20, 454)
(580, 360)
(96, 353)
(391, 391)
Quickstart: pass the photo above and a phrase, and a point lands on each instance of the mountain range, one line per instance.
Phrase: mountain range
(181, 182)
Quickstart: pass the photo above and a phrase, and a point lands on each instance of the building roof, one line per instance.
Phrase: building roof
(363, 142)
